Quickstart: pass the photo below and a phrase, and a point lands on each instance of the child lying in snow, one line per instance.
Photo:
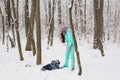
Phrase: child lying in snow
(53, 65)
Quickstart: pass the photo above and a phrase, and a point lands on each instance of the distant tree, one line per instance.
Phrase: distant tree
(46, 14)
(76, 16)
(16, 19)
(49, 13)
(75, 41)
(51, 22)
(8, 23)
(81, 16)
(59, 12)
(85, 18)
(38, 33)
(29, 21)
(3, 27)
(32, 17)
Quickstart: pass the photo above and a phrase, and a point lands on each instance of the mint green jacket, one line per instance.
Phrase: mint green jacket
(68, 37)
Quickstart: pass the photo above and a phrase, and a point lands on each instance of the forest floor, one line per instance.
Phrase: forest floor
(94, 66)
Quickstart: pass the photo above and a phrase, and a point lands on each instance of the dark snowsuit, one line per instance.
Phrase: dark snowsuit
(51, 66)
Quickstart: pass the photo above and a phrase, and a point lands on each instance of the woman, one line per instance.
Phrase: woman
(66, 36)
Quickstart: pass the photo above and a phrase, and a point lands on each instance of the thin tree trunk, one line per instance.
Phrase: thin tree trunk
(27, 27)
(6, 24)
(52, 23)
(59, 12)
(26, 15)
(98, 25)
(49, 33)
(81, 16)
(85, 18)
(30, 25)
(38, 33)
(9, 13)
(13, 30)
(46, 15)
(3, 28)
(76, 16)
(32, 17)
(15, 15)
(75, 42)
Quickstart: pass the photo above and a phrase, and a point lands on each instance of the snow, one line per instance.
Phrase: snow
(94, 66)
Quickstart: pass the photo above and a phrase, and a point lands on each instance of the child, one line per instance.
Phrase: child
(53, 65)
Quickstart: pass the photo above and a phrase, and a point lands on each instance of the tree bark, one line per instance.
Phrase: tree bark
(27, 27)
(98, 25)
(59, 12)
(76, 17)
(51, 22)
(30, 25)
(85, 19)
(81, 16)
(26, 17)
(38, 33)
(3, 28)
(16, 19)
(75, 42)
(32, 17)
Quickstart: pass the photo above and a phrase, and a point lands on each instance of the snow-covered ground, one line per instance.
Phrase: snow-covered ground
(94, 67)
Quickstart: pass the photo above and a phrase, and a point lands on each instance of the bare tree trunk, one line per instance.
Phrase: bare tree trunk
(27, 27)
(81, 16)
(116, 24)
(98, 25)
(9, 13)
(108, 20)
(85, 18)
(38, 33)
(16, 19)
(30, 26)
(59, 12)
(51, 22)
(32, 17)
(6, 24)
(75, 42)
(26, 18)
(49, 33)
(3, 28)
(46, 15)
(76, 16)
(13, 30)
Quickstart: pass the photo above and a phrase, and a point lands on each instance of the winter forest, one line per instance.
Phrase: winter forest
(29, 39)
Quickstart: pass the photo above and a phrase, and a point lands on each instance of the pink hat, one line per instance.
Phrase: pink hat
(62, 29)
